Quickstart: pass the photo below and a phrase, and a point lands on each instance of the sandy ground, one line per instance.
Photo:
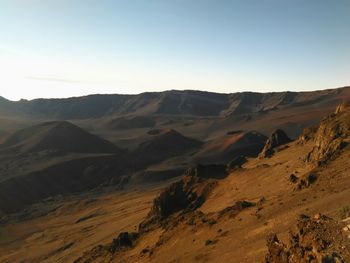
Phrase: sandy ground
(74, 226)
(243, 238)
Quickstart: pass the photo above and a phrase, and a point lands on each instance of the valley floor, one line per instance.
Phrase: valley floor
(77, 225)
(73, 226)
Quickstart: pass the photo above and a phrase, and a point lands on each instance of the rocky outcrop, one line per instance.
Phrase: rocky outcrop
(317, 239)
(184, 196)
(343, 106)
(332, 135)
(308, 134)
(124, 241)
(276, 139)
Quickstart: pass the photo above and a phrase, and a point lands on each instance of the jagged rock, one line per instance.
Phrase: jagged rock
(332, 135)
(308, 134)
(277, 251)
(124, 240)
(207, 171)
(186, 195)
(277, 138)
(236, 162)
(340, 108)
(306, 180)
(317, 239)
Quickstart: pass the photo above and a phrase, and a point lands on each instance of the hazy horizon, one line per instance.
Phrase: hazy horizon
(126, 94)
(59, 49)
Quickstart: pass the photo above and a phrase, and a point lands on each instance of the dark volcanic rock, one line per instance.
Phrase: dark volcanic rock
(277, 138)
(318, 239)
(124, 240)
(293, 178)
(183, 196)
(306, 180)
(236, 162)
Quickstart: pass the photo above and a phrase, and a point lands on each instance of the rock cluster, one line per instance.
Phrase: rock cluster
(317, 239)
(276, 139)
(124, 240)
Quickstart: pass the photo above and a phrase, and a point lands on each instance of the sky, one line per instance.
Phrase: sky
(63, 48)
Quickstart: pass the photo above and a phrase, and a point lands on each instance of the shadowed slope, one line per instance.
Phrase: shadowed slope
(164, 144)
(227, 147)
(58, 137)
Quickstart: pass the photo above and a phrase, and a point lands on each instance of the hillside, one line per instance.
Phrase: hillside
(160, 145)
(231, 145)
(56, 136)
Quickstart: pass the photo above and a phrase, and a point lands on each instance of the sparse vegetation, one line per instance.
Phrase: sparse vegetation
(344, 212)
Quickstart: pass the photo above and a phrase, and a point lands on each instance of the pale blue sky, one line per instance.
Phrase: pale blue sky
(61, 48)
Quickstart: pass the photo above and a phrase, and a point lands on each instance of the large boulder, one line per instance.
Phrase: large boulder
(183, 196)
(276, 139)
(124, 240)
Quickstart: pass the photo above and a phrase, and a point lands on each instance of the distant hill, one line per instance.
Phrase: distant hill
(187, 102)
(57, 136)
(234, 144)
(163, 144)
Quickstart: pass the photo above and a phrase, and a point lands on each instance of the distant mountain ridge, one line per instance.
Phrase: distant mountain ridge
(173, 102)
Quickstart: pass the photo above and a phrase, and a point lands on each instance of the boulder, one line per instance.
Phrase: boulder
(124, 240)
(183, 196)
(276, 139)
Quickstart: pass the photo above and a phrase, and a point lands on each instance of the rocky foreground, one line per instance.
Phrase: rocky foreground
(317, 239)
